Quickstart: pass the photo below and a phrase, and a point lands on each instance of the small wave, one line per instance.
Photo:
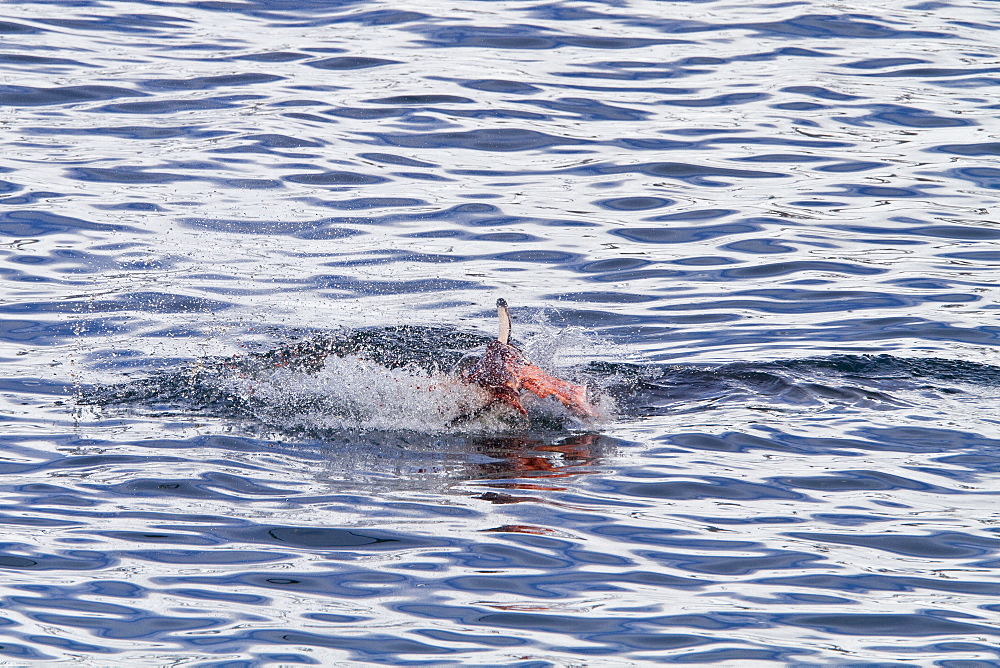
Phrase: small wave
(874, 382)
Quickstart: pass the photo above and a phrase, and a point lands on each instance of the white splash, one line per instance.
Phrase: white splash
(354, 394)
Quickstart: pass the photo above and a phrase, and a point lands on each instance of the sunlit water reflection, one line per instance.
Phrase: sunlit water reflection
(763, 235)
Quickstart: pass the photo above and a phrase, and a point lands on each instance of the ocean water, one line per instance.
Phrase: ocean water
(244, 245)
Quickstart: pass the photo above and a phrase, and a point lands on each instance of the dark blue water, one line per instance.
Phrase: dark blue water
(243, 245)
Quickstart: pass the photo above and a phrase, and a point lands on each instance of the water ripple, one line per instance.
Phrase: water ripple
(245, 247)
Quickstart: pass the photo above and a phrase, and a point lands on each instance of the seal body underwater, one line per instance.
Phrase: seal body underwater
(504, 372)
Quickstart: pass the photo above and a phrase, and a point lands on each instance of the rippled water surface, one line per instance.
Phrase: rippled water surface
(244, 244)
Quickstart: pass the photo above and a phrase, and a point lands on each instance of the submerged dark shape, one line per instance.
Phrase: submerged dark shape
(503, 371)
(428, 348)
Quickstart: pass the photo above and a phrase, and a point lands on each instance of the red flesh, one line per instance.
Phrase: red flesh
(503, 371)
